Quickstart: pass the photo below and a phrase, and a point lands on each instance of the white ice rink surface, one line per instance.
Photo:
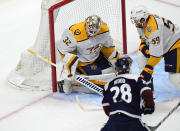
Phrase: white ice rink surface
(37, 111)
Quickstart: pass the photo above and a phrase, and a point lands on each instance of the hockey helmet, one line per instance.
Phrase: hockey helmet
(123, 65)
(138, 14)
(93, 25)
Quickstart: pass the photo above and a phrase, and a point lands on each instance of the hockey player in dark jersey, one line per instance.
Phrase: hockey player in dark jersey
(122, 100)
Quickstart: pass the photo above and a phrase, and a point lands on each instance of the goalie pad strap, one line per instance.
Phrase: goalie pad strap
(70, 64)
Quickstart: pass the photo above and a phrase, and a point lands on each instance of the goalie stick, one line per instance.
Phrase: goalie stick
(79, 78)
(154, 128)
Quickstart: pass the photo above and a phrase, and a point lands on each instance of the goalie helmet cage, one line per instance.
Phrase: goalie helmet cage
(32, 73)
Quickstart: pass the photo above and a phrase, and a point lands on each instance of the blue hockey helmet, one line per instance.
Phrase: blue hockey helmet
(123, 65)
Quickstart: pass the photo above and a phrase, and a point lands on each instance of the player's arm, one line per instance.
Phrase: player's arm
(111, 54)
(105, 102)
(66, 50)
(144, 48)
(147, 72)
(156, 53)
(109, 50)
(67, 43)
(106, 109)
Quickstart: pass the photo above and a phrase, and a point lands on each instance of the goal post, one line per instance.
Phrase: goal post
(52, 40)
(124, 32)
(56, 15)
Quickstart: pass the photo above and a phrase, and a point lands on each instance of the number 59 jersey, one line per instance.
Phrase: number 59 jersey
(161, 35)
(123, 95)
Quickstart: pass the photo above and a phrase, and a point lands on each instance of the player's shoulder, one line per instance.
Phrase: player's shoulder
(124, 78)
(79, 31)
(129, 76)
(104, 28)
(153, 22)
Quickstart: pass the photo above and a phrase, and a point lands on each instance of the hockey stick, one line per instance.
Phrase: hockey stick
(85, 108)
(153, 128)
(42, 58)
(78, 78)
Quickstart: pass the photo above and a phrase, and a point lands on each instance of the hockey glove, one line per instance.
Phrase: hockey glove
(144, 49)
(147, 109)
(148, 104)
(146, 74)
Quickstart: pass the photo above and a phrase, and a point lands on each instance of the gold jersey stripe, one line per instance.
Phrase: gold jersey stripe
(79, 31)
(176, 45)
(69, 63)
(85, 63)
(116, 57)
(153, 61)
(141, 76)
(148, 70)
(107, 51)
(82, 70)
(62, 56)
(151, 26)
(141, 47)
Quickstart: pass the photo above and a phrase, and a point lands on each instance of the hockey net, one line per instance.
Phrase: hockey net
(32, 73)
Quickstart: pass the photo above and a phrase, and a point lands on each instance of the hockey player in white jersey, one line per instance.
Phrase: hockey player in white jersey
(122, 100)
(159, 38)
(86, 48)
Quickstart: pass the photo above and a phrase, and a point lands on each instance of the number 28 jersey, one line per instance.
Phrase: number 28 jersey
(123, 95)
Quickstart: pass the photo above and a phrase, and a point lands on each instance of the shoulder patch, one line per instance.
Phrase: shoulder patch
(77, 32)
(149, 28)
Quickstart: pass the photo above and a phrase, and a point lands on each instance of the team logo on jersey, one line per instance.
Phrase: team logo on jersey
(149, 28)
(95, 49)
(77, 32)
(93, 67)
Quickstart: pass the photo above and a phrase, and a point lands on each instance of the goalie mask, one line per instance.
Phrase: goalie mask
(123, 65)
(139, 15)
(93, 25)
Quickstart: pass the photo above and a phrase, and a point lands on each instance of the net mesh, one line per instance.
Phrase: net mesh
(34, 74)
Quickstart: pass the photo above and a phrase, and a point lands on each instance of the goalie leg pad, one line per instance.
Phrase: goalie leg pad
(70, 65)
(64, 86)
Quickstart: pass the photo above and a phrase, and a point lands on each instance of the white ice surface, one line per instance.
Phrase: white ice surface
(37, 111)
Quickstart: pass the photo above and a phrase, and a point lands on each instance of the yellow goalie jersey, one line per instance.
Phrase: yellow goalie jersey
(75, 40)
